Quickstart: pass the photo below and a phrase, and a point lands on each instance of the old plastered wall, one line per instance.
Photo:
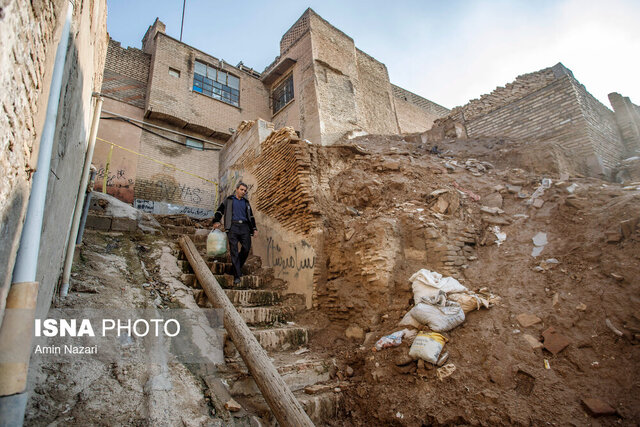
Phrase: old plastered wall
(415, 113)
(162, 189)
(374, 97)
(123, 166)
(276, 171)
(172, 99)
(30, 33)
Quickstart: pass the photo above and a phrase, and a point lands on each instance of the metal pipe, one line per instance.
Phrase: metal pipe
(77, 213)
(12, 408)
(87, 202)
(163, 128)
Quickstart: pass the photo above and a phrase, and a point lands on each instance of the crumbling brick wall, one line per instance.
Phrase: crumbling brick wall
(29, 32)
(546, 105)
(282, 179)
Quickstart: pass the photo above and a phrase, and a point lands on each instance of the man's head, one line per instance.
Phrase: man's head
(241, 190)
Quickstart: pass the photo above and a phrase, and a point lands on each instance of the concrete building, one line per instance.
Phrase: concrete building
(183, 105)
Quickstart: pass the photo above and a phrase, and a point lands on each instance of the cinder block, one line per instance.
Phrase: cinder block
(98, 222)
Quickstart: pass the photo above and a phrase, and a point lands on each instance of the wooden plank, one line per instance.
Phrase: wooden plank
(275, 391)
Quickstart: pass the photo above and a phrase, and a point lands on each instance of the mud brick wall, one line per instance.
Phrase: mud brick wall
(282, 179)
(415, 113)
(627, 116)
(448, 251)
(126, 73)
(30, 32)
(547, 113)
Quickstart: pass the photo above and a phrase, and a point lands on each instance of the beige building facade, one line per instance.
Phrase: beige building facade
(181, 105)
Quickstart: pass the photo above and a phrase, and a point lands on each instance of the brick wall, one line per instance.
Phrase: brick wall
(602, 131)
(171, 98)
(30, 33)
(126, 73)
(415, 113)
(123, 167)
(627, 116)
(301, 113)
(157, 182)
(547, 105)
(294, 33)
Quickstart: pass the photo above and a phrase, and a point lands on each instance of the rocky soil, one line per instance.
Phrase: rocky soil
(381, 201)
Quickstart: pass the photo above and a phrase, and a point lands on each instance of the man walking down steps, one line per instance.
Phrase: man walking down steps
(240, 226)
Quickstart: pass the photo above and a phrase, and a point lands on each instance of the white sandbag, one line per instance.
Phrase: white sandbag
(450, 285)
(408, 320)
(426, 284)
(438, 314)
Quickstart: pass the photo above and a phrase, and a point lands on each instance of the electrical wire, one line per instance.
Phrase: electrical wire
(156, 133)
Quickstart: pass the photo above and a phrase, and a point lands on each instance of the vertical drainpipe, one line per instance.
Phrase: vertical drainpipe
(13, 373)
(77, 214)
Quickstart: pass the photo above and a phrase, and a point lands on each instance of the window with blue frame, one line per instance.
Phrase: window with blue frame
(216, 83)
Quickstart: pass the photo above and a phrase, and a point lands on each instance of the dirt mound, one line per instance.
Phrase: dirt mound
(389, 208)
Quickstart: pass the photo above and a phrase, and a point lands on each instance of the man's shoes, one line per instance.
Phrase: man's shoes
(236, 280)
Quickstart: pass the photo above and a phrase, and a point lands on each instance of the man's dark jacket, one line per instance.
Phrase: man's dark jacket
(226, 209)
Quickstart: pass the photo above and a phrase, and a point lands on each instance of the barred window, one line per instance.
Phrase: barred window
(282, 94)
(216, 83)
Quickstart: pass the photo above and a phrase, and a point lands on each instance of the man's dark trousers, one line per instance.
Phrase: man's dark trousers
(239, 233)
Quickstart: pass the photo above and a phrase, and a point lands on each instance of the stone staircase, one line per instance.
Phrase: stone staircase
(269, 313)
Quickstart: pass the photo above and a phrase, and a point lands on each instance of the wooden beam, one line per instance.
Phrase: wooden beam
(275, 391)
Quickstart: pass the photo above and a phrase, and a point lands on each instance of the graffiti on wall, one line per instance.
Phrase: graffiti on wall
(168, 190)
(293, 258)
(163, 208)
(117, 178)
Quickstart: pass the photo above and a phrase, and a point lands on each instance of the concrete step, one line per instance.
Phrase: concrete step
(322, 408)
(256, 316)
(253, 297)
(246, 282)
(297, 373)
(285, 338)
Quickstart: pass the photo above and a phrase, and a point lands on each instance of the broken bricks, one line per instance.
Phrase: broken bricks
(526, 320)
(598, 408)
(554, 342)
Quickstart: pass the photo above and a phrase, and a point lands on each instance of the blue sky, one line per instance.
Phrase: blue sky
(447, 51)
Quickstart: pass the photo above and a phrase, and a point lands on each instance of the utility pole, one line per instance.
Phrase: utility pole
(184, 3)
